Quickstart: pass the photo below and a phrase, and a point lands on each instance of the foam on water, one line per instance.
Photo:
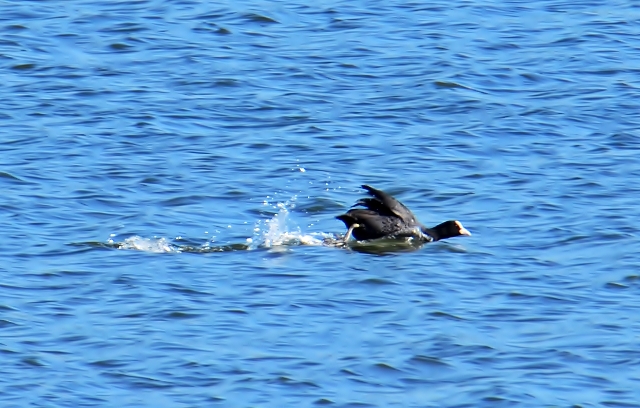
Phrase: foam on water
(138, 243)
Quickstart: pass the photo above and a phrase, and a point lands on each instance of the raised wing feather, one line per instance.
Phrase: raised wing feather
(390, 204)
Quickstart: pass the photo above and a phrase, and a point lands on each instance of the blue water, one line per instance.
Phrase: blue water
(170, 170)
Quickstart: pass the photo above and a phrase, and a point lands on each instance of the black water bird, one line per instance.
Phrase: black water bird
(384, 216)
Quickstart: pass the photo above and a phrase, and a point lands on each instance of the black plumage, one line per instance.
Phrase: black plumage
(384, 216)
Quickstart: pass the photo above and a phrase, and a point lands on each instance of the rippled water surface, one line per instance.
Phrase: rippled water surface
(171, 170)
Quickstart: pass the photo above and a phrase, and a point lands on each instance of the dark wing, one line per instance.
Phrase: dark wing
(372, 225)
(375, 205)
(387, 203)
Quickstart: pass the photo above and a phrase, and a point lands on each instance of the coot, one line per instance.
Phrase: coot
(384, 216)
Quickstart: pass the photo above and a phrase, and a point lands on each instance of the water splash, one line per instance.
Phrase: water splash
(281, 230)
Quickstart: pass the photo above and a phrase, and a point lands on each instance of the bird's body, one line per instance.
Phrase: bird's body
(386, 217)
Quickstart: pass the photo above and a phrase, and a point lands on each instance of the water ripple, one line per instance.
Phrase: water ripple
(172, 171)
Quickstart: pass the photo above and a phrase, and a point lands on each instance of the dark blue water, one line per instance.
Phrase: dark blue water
(169, 171)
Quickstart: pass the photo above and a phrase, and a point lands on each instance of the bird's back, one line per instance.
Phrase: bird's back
(382, 216)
